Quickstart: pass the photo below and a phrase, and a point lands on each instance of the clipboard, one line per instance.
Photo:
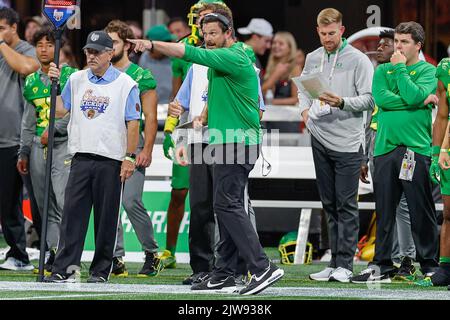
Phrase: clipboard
(313, 85)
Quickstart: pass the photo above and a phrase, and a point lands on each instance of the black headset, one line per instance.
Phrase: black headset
(217, 17)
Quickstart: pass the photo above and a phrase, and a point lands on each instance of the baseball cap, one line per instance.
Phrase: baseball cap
(99, 40)
(160, 33)
(258, 26)
(38, 19)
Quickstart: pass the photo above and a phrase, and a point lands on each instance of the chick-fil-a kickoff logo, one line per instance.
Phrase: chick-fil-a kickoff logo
(61, 12)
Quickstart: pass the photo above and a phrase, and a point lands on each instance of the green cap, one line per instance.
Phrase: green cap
(160, 33)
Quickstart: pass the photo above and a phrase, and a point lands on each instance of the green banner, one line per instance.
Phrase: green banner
(156, 204)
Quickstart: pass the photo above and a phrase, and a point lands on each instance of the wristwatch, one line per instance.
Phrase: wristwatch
(131, 155)
(1, 42)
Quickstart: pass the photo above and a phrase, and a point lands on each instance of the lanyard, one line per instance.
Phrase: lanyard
(334, 63)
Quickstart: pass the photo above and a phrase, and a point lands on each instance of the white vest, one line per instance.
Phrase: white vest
(198, 100)
(97, 122)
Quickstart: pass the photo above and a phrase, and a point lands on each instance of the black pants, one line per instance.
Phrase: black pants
(337, 176)
(237, 235)
(202, 221)
(11, 216)
(94, 181)
(388, 190)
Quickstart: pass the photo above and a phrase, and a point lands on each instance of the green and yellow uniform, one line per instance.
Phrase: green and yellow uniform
(443, 75)
(403, 120)
(180, 174)
(145, 80)
(37, 92)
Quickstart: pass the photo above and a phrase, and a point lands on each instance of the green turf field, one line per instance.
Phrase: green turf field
(167, 286)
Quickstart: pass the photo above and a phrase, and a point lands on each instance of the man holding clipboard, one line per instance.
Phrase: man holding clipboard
(335, 90)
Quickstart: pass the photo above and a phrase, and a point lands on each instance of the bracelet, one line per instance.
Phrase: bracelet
(153, 46)
(444, 150)
(133, 161)
(2, 42)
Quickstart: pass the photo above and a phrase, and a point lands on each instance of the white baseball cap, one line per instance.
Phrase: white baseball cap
(258, 26)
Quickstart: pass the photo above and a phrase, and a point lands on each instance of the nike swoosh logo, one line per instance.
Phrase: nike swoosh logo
(213, 285)
(67, 162)
(390, 72)
(262, 276)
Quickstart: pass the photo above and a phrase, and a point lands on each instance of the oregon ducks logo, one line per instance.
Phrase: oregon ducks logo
(412, 73)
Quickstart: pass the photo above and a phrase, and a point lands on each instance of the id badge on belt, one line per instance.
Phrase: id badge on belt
(408, 166)
(322, 108)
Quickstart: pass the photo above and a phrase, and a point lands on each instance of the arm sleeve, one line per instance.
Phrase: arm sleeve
(66, 96)
(303, 99)
(184, 94)
(133, 107)
(383, 96)
(61, 125)
(363, 83)
(415, 94)
(223, 59)
(28, 129)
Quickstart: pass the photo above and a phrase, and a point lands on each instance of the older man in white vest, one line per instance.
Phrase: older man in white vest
(103, 136)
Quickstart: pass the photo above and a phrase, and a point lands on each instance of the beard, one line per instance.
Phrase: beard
(118, 57)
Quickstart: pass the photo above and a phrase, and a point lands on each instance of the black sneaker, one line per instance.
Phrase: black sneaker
(259, 282)
(96, 279)
(119, 269)
(407, 271)
(196, 278)
(152, 266)
(213, 284)
(371, 275)
(51, 259)
(60, 278)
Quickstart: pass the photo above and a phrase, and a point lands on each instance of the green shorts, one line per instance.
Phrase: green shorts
(445, 182)
(180, 177)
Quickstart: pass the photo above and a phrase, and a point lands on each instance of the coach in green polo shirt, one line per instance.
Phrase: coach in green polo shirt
(233, 120)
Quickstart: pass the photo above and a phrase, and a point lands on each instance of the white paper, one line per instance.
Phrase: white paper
(313, 85)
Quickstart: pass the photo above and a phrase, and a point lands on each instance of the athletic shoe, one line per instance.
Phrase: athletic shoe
(51, 259)
(370, 275)
(61, 278)
(323, 275)
(213, 284)
(242, 280)
(341, 275)
(196, 278)
(152, 266)
(16, 265)
(407, 271)
(96, 279)
(169, 261)
(259, 282)
(118, 268)
(441, 278)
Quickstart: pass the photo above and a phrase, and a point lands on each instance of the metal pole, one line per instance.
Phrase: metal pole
(48, 167)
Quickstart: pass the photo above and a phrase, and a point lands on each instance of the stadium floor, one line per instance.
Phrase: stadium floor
(167, 286)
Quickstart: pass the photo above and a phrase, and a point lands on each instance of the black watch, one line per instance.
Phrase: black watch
(131, 155)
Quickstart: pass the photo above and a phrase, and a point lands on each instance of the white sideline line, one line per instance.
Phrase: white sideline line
(65, 296)
(312, 292)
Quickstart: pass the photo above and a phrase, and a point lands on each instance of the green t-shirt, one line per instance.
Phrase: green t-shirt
(37, 92)
(399, 92)
(233, 109)
(443, 74)
(180, 67)
(144, 79)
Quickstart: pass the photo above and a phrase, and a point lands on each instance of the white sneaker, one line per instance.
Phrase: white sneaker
(16, 265)
(326, 256)
(341, 275)
(323, 275)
